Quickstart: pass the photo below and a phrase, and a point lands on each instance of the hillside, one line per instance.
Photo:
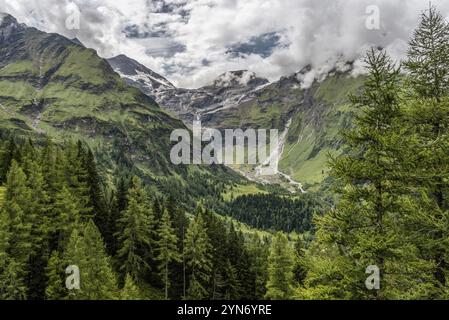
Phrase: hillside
(53, 86)
(310, 118)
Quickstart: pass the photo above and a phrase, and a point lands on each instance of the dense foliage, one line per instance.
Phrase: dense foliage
(55, 214)
(392, 182)
(130, 242)
(274, 212)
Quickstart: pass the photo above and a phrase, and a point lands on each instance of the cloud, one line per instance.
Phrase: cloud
(192, 42)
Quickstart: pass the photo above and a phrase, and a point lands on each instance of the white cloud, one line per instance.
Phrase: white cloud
(313, 32)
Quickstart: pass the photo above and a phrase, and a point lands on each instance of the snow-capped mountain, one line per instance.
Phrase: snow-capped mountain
(136, 74)
(227, 91)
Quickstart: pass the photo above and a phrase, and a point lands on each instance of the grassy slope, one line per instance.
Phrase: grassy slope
(315, 132)
(63, 90)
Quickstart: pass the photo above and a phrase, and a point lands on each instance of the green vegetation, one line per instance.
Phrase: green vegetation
(86, 183)
(239, 190)
(392, 182)
(128, 245)
(314, 133)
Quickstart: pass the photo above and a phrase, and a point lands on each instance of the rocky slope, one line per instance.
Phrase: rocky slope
(228, 90)
(315, 112)
(54, 86)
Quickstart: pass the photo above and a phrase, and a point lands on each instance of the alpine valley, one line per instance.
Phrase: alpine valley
(93, 208)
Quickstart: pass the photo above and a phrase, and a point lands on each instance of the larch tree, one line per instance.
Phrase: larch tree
(428, 119)
(368, 228)
(280, 269)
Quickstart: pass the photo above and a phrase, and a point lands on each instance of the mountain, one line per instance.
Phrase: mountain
(136, 74)
(228, 90)
(309, 114)
(51, 86)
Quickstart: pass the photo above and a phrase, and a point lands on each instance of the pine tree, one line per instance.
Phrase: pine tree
(198, 258)
(87, 252)
(167, 250)
(280, 269)
(136, 233)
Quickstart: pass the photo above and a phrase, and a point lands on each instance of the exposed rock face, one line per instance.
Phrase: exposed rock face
(9, 27)
(136, 74)
(227, 91)
(314, 109)
(52, 85)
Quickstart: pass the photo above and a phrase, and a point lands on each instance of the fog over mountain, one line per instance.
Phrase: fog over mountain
(192, 42)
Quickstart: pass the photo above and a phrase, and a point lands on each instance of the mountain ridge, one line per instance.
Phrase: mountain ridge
(312, 111)
(52, 86)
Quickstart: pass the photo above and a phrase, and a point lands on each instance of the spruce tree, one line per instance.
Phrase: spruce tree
(177, 269)
(64, 217)
(15, 207)
(87, 252)
(120, 203)
(37, 213)
(167, 250)
(56, 289)
(12, 285)
(78, 180)
(218, 236)
(96, 194)
(259, 250)
(299, 270)
(4, 238)
(198, 258)
(137, 227)
(427, 56)
(130, 291)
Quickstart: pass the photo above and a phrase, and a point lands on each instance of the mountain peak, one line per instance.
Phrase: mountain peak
(138, 75)
(7, 20)
(8, 26)
(238, 78)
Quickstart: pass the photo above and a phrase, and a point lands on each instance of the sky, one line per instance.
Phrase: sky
(191, 42)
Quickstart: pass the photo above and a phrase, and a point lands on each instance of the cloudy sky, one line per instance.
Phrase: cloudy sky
(191, 42)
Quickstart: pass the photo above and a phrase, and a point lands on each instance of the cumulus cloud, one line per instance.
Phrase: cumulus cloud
(193, 41)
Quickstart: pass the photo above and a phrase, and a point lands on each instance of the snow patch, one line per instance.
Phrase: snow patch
(147, 79)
